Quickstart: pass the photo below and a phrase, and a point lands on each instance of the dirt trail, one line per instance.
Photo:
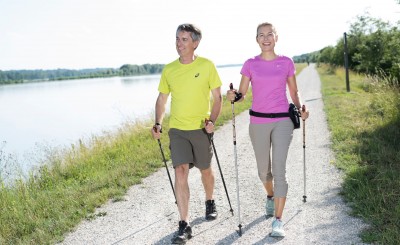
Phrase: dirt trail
(149, 215)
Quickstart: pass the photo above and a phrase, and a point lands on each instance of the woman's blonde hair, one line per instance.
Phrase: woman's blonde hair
(266, 24)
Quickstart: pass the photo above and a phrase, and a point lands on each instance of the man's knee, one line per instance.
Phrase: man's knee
(206, 172)
(181, 171)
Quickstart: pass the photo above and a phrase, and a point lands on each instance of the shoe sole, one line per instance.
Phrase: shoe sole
(277, 234)
(268, 216)
(211, 218)
(182, 242)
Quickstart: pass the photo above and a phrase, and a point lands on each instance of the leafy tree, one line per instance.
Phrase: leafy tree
(326, 54)
(373, 47)
(18, 76)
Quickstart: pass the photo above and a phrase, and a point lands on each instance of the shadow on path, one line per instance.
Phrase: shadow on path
(143, 228)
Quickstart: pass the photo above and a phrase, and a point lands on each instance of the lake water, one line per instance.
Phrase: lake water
(36, 116)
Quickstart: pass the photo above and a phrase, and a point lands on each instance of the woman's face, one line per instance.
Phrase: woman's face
(266, 38)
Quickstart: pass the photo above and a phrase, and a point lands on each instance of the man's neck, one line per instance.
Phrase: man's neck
(187, 59)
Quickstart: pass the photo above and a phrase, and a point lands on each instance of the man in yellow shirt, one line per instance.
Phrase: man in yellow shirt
(189, 80)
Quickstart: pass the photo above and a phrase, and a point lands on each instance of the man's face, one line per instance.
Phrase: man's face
(185, 44)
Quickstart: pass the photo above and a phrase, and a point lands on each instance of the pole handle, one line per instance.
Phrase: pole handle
(231, 88)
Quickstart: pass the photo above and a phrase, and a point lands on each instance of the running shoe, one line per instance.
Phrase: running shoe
(184, 233)
(211, 210)
(277, 228)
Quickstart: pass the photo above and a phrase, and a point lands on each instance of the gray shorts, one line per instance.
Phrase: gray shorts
(190, 146)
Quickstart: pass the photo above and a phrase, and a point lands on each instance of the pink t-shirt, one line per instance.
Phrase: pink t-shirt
(268, 80)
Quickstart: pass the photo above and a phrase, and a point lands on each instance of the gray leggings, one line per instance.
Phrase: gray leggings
(277, 136)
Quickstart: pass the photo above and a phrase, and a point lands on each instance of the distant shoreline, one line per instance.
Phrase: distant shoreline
(38, 75)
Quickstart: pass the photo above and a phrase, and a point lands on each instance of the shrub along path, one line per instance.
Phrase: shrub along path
(149, 214)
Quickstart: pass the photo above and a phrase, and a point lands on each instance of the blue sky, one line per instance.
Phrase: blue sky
(76, 34)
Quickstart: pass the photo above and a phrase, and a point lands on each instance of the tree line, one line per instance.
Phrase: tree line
(21, 76)
(373, 48)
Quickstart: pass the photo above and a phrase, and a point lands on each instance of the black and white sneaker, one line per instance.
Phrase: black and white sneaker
(211, 210)
(183, 234)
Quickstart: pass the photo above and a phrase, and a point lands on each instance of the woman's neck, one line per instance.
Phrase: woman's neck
(268, 55)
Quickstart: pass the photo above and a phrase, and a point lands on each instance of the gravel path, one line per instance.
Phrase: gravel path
(149, 215)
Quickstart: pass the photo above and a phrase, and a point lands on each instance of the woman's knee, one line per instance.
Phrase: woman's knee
(265, 176)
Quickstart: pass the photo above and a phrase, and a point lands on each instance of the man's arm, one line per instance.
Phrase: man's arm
(160, 107)
(215, 110)
(217, 104)
(159, 114)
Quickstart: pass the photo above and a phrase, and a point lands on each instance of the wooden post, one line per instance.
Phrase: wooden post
(346, 63)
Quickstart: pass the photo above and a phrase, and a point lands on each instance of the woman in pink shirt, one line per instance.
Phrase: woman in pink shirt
(270, 125)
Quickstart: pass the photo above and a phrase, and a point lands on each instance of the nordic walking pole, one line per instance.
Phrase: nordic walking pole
(304, 157)
(165, 163)
(236, 167)
(210, 137)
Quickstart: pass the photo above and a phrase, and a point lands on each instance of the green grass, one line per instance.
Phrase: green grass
(75, 181)
(365, 127)
(73, 184)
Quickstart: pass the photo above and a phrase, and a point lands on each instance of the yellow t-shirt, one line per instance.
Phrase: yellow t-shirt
(190, 86)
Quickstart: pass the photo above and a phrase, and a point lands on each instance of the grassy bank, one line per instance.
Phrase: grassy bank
(365, 127)
(74, 181)
(77, 180)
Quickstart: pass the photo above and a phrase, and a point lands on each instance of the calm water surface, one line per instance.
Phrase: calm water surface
(37, 116)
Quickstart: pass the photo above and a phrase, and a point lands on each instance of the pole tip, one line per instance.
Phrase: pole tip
(240, 230)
